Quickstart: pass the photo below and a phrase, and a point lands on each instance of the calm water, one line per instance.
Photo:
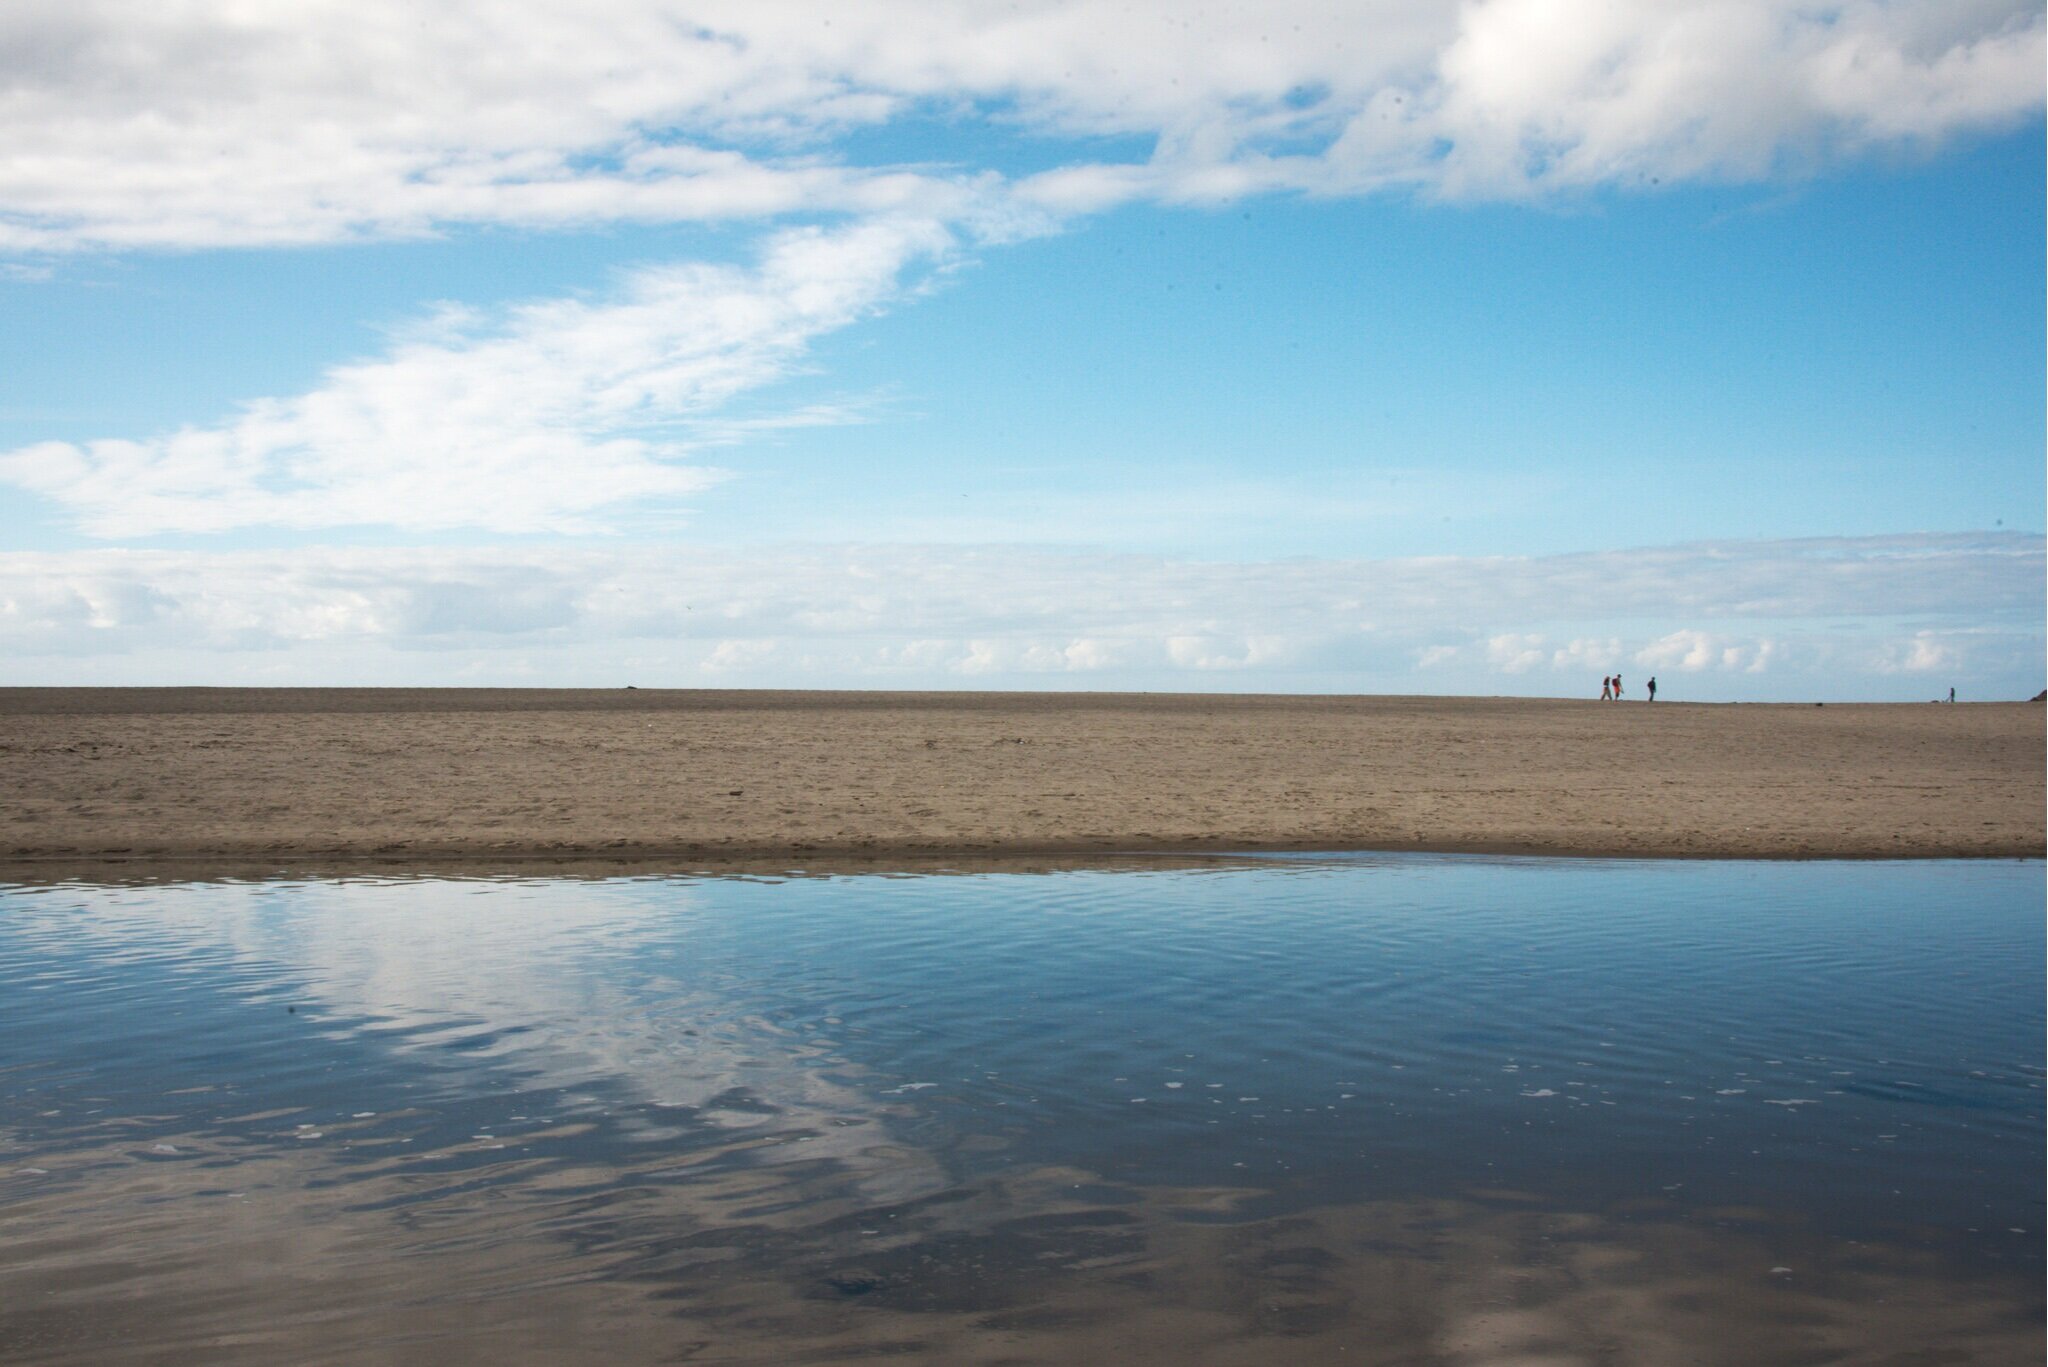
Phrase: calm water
(1300, 1109)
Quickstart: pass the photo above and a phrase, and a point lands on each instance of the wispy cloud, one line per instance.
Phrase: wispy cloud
(1890, 607)
(199, 125)
(538, 420)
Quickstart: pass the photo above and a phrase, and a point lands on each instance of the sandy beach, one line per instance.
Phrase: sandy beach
(696, 776)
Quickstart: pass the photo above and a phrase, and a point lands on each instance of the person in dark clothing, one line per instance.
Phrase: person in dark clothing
(1653, 688)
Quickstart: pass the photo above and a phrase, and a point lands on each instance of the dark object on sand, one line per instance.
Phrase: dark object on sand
(2042, 696)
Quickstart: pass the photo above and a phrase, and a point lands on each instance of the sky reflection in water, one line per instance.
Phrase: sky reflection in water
(827, 1116)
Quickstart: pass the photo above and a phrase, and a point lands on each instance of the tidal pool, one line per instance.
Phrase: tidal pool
(1303, 1109)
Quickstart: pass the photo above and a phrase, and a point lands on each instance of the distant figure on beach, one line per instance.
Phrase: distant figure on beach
(1951, 695)
(1617, 687)
(1606, 688)
(1653, 688)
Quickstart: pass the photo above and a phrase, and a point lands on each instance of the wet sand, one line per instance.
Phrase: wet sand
(299, 776)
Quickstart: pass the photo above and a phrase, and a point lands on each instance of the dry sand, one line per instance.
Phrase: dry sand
(301, 776)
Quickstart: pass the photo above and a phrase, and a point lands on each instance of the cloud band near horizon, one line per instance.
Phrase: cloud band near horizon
(1860, 616)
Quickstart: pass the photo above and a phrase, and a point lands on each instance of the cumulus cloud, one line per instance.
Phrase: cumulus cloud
(208, 124)
(541, 420)
(1693, 651)
(1237, 651)
(1577, 92)
(929, 615)
(741, 654)
(1925, 652)
(1586, 653)
(1515, 652)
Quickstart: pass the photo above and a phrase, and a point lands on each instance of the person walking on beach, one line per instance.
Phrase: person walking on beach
(1606, 688)
(1653, 688)
(1951, 695)
(1617, 688)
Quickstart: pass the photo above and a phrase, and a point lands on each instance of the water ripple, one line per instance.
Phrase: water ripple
(1858, 1046)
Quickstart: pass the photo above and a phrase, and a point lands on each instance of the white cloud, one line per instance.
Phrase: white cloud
(1687, 650)
(562, 411)
(1090, 653)
(922, 616)
(1542, 93)
(1925, 652)
(214, 123)
(1515, 652)
(1928, 654)
(1586, 653)
(1429, 657)
(741, 654)
(1693, 651)
(1248, 650)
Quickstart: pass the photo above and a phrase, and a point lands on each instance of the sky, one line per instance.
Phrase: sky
(1399, 346)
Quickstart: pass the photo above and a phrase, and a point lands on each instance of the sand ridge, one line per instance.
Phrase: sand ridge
(404, 775)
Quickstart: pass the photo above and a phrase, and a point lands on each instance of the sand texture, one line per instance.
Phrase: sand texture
(400, 776)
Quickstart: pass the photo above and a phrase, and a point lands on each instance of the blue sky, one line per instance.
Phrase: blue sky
(1399, 347)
